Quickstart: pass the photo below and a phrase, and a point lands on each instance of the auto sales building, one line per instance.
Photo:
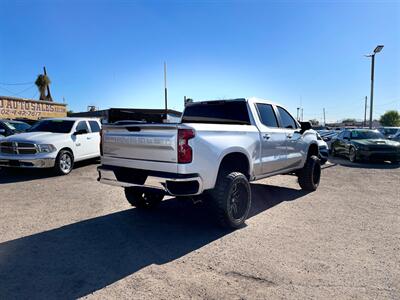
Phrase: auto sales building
(20, 108)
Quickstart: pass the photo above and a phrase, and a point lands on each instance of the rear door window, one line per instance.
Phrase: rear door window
(94, 126)
(267, 115)
(82, 126)
(286, 119)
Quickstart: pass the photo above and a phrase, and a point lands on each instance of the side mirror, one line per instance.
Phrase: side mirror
(81, 131)
(305, 126)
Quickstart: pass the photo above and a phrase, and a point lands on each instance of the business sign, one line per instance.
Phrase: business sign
(16, 108)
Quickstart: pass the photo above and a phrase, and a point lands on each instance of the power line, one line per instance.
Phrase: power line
(24, 90)
(7, 90)
(18, 83)
(34, 96)
(17, 93)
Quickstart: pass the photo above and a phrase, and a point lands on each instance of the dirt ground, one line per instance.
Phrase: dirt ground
(70, 237)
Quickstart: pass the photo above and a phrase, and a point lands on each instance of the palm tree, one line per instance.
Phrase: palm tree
(42, 83)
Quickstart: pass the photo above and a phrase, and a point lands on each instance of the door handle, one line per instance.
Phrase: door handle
(266, 136)
(289, 135)
(89, 138)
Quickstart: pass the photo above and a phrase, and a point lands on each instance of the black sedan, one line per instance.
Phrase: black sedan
(364, 144)
(9, 127)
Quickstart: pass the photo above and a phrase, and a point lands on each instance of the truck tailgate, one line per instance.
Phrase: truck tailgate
(149, 142)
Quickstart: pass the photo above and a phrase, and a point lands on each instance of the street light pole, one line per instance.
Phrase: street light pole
(165, 91)
(376, 50)
(372, 90)
(365, 112)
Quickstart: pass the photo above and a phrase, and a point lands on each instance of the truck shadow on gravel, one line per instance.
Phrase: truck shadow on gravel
(77, 259)
(14, 175)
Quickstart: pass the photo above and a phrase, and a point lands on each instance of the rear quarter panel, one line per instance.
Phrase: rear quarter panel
(213, 142)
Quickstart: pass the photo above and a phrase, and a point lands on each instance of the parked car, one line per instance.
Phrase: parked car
(323, 149)
(329, 136)
(10, 127)
(389, 132)
(31, 122)
(396, 137)
(365, 144)
(216, 150)
(52, 143)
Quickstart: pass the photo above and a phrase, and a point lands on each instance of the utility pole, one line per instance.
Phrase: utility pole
(376, 50)
(324, 118)
(165, 90)
(298, 114)
(302, 115)
(48, 87)
(365, 112)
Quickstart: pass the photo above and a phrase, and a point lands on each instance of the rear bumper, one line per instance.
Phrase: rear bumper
(171, 183)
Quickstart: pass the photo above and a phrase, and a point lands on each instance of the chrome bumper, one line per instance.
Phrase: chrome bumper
(28, 163)
(171, 186)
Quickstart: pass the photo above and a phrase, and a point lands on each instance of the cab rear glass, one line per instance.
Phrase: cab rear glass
(217, 112)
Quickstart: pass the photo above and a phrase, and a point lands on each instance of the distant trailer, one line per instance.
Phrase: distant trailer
(135, 114)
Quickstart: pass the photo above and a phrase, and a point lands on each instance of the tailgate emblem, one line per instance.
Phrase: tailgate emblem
(137, 140)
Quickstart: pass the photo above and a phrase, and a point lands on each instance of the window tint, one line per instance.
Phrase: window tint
(18, 127)
(267, 115)
(366, 134)
(55, 126)
(340, 136)
(217, 112)
(287, 120)
(82, 126)
(94, 126)
(346, 134)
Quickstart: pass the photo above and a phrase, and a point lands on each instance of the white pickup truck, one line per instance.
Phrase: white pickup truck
(216, 150)
(52, 143)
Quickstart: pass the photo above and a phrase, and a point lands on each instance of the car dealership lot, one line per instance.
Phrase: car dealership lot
(69, 237)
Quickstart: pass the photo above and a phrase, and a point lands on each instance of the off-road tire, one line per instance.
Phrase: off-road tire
(309, 176)
(64, 163)
(231, 199)
(143, 199)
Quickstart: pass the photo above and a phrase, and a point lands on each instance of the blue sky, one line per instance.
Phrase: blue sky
(111, 53)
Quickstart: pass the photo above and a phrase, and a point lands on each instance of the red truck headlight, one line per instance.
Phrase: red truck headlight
(185, 152)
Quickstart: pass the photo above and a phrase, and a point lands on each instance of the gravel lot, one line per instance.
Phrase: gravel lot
(70, 237)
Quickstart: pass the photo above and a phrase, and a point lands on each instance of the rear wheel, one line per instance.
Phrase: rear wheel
(309, 176)
(231, 199)
(143, 199)
(64, 162)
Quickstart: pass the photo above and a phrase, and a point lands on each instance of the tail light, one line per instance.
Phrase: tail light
(101, 141)
(185, 153)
